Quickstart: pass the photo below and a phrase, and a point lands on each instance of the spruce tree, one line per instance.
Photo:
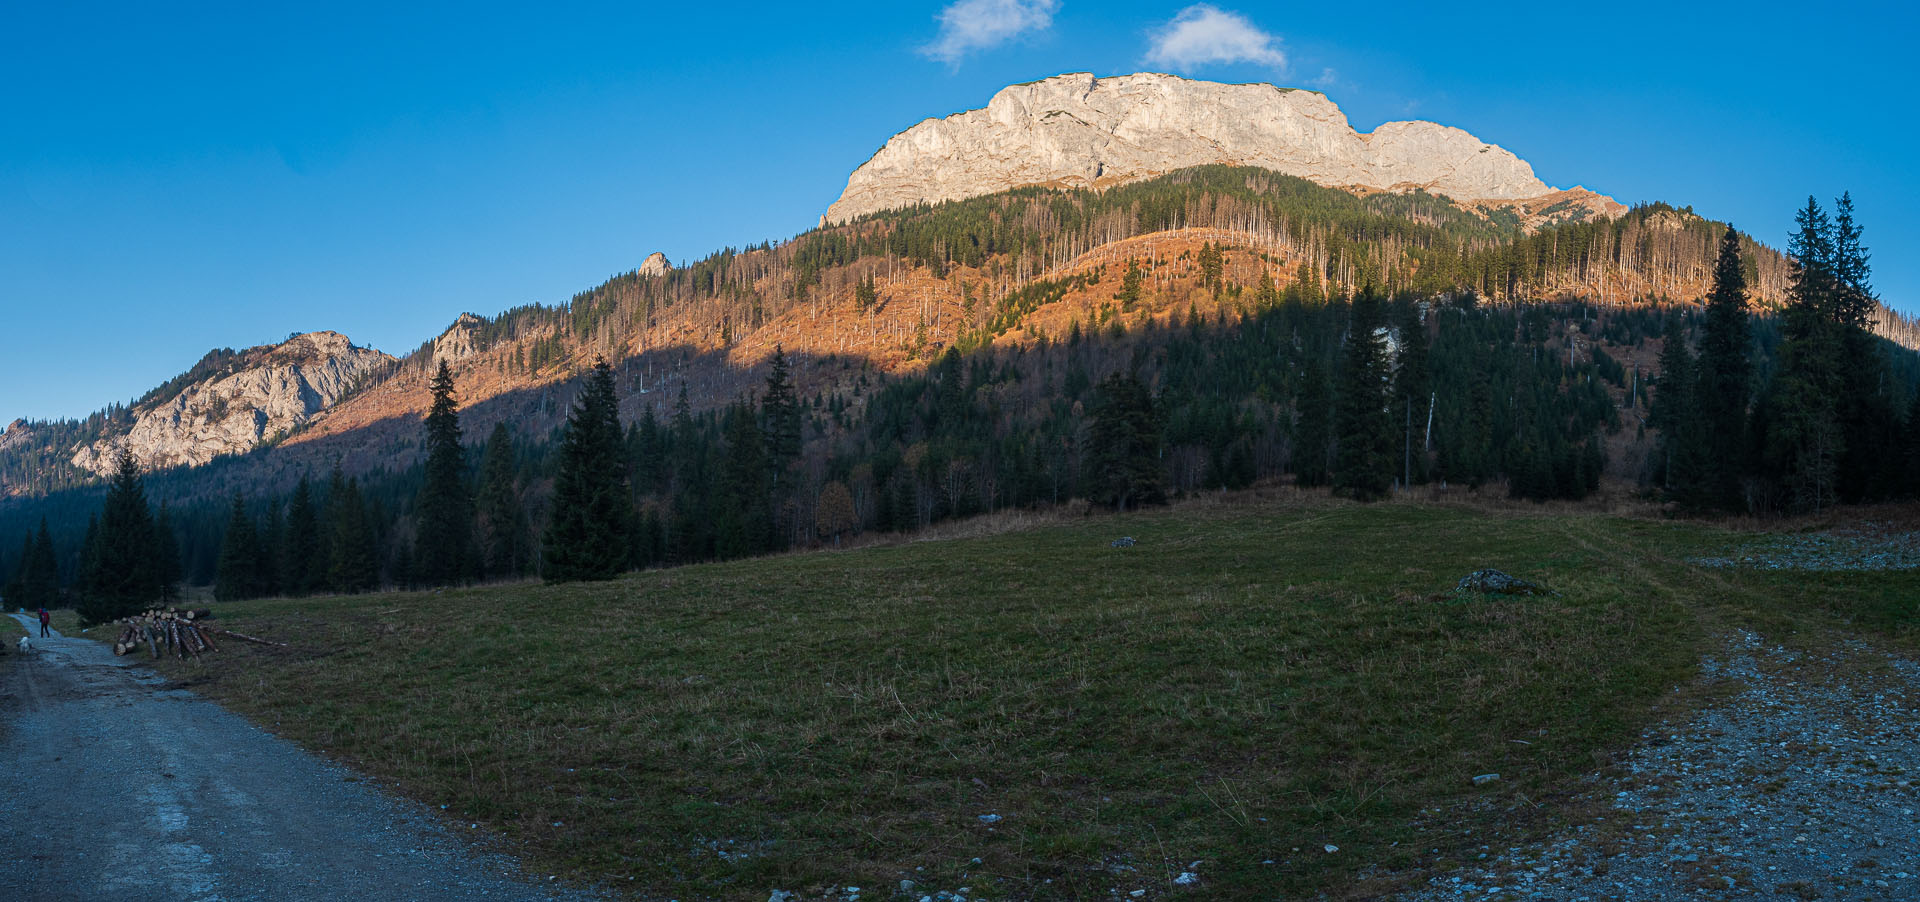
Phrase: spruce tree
(1129, 294)
(303, 563)
(36, 576)
(237, 575)
(15, 591)
(1313, 430)
(1123, 445)
(166, 556)
(353, 561)
(780, 408)
(89, 570)
(442, 553)
(744, 520)
(690, 528)
(124, 579)
(1805, 440)
(1676, 414)
(1725, 374)
(1867, 411)
(589, 534)
(1412, 391)
(42, 579)
(270, 573)
(509, 549)
(1363, 424)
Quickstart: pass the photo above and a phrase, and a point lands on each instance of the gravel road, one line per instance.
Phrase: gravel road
(120, 788)
(1801, 784)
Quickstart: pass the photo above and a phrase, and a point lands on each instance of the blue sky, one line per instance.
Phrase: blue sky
(176, 177)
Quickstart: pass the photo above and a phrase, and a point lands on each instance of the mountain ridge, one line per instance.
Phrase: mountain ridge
(1079, 130)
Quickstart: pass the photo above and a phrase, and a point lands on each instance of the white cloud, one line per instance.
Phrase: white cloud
(1203, 34)
(1326, 79)
(969, 25)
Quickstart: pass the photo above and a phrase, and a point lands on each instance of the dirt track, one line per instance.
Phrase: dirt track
(120, 788)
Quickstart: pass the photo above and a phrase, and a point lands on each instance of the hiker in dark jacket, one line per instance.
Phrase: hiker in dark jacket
(45, 618)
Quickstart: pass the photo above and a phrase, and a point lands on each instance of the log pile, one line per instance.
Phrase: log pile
(176, 632)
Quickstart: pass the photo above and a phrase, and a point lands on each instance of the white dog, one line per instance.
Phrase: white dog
(26, 645)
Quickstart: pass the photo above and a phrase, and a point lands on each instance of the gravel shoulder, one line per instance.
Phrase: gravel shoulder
(123, 788)
(1800, 783)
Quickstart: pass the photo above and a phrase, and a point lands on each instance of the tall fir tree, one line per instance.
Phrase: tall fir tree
(43, 581)
(1868, 411)
(443, 549)
(744, 519)
(1363, 423)
(270, 573)
(36, 578)
(1724, 380)
(689, 528)
(237, 575)
(89, 568)
(509, 549)
(780, 410)
(353, 563)
(1313, 427)
(303, 563)
(589, 533)
(1805, 440)
(1412, 391)
(1123, 445)
(166, 556)
(124, 580)
(1676, 415)
(15, 589)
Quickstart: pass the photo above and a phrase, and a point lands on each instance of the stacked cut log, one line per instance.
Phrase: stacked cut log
(175, 632)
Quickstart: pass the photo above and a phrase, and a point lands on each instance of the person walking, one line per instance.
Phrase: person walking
(45, 618)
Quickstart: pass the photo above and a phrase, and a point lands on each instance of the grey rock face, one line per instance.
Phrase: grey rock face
(1082, 131)
(278, 388)
(656, 265)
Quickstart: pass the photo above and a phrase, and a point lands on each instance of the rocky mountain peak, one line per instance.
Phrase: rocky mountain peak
(656, 265)
(266, 392)
(1082, 131)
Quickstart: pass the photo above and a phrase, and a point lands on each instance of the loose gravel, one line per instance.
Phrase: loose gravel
(1868, 546)
(1799, 785)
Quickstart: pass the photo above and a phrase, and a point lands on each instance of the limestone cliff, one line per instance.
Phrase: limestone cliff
(1082, 131)
(268, 391)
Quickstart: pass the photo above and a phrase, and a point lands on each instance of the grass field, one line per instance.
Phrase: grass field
(1034, 714)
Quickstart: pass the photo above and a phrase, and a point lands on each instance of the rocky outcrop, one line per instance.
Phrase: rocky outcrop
(460, 341)
(656, 265)
(1087, 132)
(16, 433)
(269, 391)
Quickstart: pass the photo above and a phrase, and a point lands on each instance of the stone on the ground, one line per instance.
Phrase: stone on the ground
(1495, 582)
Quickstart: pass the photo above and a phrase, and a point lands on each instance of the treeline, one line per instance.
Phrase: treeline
(129, 559)
(1826, 420)
(1362, 393)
